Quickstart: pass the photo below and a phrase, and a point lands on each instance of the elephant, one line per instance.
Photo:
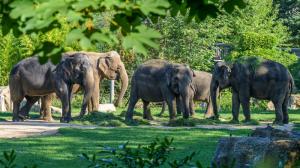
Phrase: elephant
(32, 80)
(158, 80)
(201, 92)
(105, 65)
(253, 77)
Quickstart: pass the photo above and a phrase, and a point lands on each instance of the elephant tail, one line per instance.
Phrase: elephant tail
(292, 86)
(15, 84)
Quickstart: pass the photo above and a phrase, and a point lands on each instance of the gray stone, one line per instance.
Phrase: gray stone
(266, 147)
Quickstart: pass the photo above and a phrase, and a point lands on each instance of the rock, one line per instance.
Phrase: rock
(266, 147)
(270, 106)
(295, 101)
(56, 110)
(107, 108)
(5, 101)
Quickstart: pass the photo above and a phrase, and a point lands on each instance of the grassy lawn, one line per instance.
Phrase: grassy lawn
(62, 150)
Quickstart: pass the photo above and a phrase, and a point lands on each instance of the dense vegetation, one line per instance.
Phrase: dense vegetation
(256, 29)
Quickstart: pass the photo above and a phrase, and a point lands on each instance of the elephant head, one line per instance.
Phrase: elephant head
(77, 69)
(109, 64)
(179, 81)
(220, 80)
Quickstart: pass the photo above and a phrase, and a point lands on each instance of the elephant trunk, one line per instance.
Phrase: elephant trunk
(185, 100)
(88, 86)
(214, 88)
(124, 85)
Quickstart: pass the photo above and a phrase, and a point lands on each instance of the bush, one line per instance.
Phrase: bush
(156, 154)
(276, 55)
(253, 40)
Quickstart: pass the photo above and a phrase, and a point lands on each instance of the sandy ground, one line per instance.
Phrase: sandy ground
(40, 128)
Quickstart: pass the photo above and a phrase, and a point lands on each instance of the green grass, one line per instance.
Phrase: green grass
(62, 150)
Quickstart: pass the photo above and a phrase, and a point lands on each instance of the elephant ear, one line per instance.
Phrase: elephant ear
(104, 64)
(169, 73)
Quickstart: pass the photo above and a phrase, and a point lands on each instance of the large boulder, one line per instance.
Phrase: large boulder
(264, 148)
(5, 101)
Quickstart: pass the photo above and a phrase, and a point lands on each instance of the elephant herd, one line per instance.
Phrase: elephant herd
(156, 80)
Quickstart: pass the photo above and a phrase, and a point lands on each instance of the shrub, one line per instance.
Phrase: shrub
(156, 154)
(253, 40)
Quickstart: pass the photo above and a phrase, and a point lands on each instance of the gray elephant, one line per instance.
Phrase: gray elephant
(105, 65)
(32, 80)
(253, 77)
(201, 92)
(157, 81)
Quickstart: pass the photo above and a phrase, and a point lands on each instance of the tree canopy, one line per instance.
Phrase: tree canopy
(127, 17)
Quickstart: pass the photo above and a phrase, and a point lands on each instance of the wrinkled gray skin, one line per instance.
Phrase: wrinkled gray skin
(31, 80)
(157, 81)
(105, 65)
(269, 81)
(201, 92)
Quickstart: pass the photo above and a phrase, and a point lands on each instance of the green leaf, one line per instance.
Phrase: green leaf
(74, 35)
(140, 39)
(83, 4)
(101, 37)
(154, 6)
(85, 43)
(229, 5)
(22, 8)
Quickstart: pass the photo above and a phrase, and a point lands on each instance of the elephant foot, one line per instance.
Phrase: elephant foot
(65, 120)
(285, 121)
(17, 120)
(212, 117)
(147, 117)
(234, 121)
(246, 121)
(48, 119)
(209, 116)
(276, 122)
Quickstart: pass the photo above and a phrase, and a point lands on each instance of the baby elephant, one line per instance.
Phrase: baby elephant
(157, 81)
(200, 92)
(32, 80)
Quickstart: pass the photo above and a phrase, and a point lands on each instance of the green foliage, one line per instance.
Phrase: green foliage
(191, 43)
(276, 55)
(253, 40)
(295, 71)
(127, 17)
(155, 154)
(9, 160)
(289, 12)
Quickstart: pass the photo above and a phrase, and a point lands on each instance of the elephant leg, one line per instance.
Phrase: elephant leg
(163, 108)
(209, 113)
(285, 109)
(235, 106)
(179, 105)
(90, 106)
(30, 100)
(16, 107)
(95, 97)
(132, 101)
(192, 110)
(146, 111)
(278, 112)
(171, 105)
(62, 93)
(46, 106)
(245, 101)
